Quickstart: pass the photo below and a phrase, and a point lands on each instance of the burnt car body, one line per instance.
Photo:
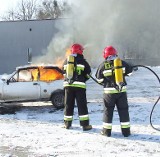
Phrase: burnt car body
(32, 83)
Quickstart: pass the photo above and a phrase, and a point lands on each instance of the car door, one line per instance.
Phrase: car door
(21, 88)
(50, 79)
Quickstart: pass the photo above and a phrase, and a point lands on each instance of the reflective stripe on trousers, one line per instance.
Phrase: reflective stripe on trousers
(107, 125)
(84, 117)
(125, 125)
(68, 118)
(81, 118)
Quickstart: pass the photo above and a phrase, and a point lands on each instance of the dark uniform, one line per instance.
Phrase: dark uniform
(112, 96)
(77, 91)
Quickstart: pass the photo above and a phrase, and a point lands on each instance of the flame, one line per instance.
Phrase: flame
(60, 60)
(34, 74)
(46, 74)
(68, 52)
(50, 74)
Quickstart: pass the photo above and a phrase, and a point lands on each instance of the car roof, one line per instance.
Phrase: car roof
(36, 66)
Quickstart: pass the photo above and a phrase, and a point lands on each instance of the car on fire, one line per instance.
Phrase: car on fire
(33, 83)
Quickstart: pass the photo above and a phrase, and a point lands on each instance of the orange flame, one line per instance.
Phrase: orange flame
(68, 52)
(60, 60)
(50, 74)
(46, 74)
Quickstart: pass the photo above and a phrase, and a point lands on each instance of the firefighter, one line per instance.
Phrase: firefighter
(76, 72)
(114, 94)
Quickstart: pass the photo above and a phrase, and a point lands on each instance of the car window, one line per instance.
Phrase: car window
(24, 75)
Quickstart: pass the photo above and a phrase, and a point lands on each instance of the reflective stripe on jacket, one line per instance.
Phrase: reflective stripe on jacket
(81, 73)
(109, 72)
(74, 84)
(105, 75)
(112, 90)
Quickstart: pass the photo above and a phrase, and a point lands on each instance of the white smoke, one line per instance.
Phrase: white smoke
(131, 26)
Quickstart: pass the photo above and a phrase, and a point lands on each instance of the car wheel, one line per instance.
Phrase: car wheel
(57, 98)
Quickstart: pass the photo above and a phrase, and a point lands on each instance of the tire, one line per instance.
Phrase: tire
(57, 98)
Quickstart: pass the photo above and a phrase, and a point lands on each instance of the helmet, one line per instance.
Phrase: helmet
(109, 51)
(77, 49)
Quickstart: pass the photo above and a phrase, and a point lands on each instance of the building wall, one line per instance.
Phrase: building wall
(16, 37)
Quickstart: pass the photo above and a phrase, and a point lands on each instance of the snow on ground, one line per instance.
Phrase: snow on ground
(36, 129)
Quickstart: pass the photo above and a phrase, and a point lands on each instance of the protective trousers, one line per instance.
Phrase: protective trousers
(78, 94)
(120, 100)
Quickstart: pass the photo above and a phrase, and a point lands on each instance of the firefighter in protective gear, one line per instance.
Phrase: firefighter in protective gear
(113, 94)
(75, 87)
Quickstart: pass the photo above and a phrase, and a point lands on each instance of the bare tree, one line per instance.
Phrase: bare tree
(52, 9)
(9, 16)
(28, 9)
(25, 10)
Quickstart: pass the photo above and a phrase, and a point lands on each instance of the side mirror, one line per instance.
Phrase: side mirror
(7, 82)
(4, 77)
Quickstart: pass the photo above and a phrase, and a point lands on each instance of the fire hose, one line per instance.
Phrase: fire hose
(150, 117)
(151, 113)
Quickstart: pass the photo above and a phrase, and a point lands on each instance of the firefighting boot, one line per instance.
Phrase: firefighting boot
(106, 132)
(126, 132)
(87, 127)
(67, 124)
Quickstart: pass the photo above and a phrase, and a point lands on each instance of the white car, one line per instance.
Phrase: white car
(32, 83)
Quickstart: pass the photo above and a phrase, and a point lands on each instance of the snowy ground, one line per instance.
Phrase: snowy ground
(37, 131)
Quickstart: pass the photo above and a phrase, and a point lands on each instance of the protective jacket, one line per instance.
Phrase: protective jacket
(81, 73)
(105, 75)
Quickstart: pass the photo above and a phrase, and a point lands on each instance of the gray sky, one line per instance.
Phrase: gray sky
(7, 4)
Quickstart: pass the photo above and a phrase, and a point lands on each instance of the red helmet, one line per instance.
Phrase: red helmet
(109, 51)
(77, 49)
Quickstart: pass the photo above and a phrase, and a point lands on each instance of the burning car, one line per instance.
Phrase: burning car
(32, 83)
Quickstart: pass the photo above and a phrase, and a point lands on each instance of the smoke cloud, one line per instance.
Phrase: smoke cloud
(132, 27)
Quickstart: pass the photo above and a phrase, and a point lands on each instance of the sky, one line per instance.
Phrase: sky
(7, 4)
(36, 129)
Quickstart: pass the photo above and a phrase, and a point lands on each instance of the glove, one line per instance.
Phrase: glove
(134, 68)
